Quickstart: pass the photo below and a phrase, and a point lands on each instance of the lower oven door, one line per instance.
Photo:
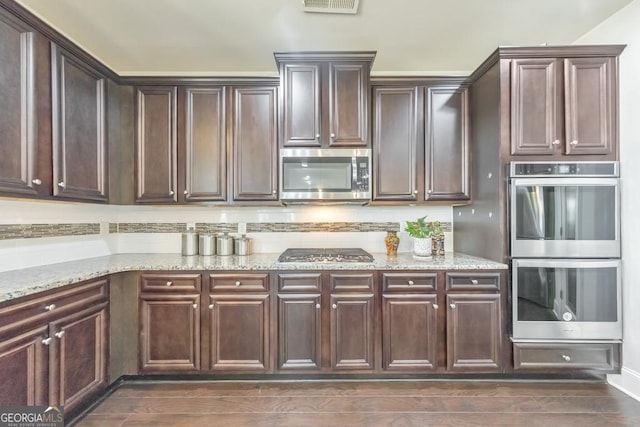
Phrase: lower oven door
(566, 299)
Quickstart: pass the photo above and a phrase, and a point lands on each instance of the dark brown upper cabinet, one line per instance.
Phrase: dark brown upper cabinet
(78, 128)
(156, 144)
(397, 123)
(563, 106)
(447, 144)
(255, 146)
(18, 162)
(205, 143)
(325, 98)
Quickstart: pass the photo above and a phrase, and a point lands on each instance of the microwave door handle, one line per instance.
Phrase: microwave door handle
(354, 172)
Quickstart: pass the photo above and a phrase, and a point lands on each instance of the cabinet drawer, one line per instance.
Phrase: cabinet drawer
(599, 356)
(351, 282)
(239, 282)
(300, 282)
(473, 281)
(170, 283)
(39, 309)
(407, 282)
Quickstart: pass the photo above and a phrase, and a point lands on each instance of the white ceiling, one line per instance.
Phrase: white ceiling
(238, 37)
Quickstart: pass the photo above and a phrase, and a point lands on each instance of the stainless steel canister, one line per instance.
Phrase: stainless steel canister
(207, 244)
(190, 242)
(243, 245)
(224, 244)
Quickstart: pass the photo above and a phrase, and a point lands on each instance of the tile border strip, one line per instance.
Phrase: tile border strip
(37, 231)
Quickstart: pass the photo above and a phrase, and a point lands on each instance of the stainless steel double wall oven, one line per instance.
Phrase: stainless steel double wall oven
(565, 250)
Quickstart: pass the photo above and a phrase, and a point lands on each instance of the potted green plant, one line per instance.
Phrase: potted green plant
(422, 231)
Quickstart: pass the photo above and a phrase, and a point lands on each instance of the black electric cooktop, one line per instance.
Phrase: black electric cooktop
(325, 255)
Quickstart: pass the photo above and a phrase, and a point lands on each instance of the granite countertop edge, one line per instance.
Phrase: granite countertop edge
(28, 281)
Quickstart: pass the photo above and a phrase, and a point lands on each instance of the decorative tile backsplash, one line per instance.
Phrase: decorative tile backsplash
(149, 227)
(35, 231)
(280, 227)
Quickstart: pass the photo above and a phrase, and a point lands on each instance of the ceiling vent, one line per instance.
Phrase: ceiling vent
(331, 6)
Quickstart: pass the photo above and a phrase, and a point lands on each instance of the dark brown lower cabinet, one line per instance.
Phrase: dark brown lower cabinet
(169, 333)
(299, 331)
(238, 332)
(78, 362)
(24, 363)
(409, 332)
(474, 332)
(352, 331)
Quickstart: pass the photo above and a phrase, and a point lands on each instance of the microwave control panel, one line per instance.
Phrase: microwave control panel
(362, 174)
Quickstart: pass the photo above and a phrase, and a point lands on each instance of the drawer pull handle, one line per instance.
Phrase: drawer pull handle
(334, 306)
(410, 282)
(317, 305)
(47, 341)
(36, 181)
(211, 306)
(566, 358)
(453, 306)
(195, 305)
(474, 282)
(435, 306)
(169, 283)
(50, 307)
(59, 334)
(238, 283)
(556, 142)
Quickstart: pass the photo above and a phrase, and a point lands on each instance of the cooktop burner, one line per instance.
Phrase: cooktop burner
(325, 255)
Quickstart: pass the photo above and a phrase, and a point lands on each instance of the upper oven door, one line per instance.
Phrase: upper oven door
(566, 299)
(565, 217)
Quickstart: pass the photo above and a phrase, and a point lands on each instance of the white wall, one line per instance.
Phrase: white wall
(624, 28)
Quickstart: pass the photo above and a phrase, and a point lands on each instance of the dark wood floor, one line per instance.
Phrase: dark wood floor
(366, 404)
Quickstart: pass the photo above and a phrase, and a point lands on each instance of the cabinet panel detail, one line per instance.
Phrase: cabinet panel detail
(301, 105)
(409, 282)
(300, 282)
(351, 282)
(352, 329)
(299, 331)
(348, 104)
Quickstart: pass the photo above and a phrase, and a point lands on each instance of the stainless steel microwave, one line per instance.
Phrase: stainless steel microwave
(310, 175)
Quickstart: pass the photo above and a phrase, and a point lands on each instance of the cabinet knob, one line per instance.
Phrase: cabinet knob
(50, 307)
(61, 184)
(169, 283)
(410, 282)
(238, 283)
(211, 306)
(274, 191)
(194, 305)
(453, 306)
(36, 181)
(59, 334)
(429, 191)
(47, 341)
(556, 142)
(186, 192)
(317, 305)
(334, 306)
(435, 306)
(474, 282)
(171, 193)
(333, 135)
(317, 136)
(574, 143)
(566, 358)
(415, 191)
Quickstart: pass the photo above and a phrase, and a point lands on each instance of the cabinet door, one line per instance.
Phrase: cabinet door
(79, 135)
(24, 368)
(536, 127)
(301, 105)
(409, 332)
(590, 101)
(169, 333)
(447, 144)
(255, 146)
(18, 162)
(395, 143)
(156, 161)
(78, 365)
(474, 335)
(348, 104)
(239, 332)
(352, 337)
(299, 331)
(205, 144)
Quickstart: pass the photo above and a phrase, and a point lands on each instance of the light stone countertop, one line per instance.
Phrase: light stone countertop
(28, 281)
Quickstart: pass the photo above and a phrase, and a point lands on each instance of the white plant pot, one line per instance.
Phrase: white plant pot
(422, 248)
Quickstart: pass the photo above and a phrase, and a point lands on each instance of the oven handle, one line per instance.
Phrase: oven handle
(566, 263)
(549, 182)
